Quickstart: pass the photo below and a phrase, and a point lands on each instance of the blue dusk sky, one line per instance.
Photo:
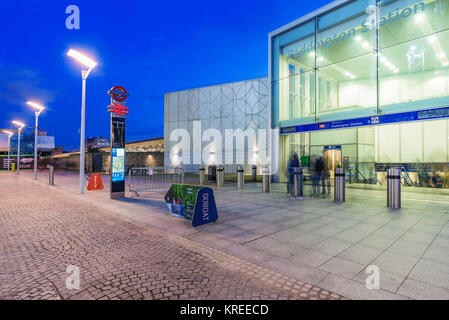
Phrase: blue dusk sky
(149, 47)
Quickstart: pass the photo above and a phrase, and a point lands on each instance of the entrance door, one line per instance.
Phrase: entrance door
(332, 159)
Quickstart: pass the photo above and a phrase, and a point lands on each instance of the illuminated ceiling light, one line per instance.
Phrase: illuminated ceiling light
(383, 59)
(358, 38)
(81, 58)
(347, 74)
(441, 55)
(419, 17)
(396, 70)
(432, 39)
(413, 48)
(365, 44)
(445, 64)
(320, 59)
(352, 77)
(312, 54)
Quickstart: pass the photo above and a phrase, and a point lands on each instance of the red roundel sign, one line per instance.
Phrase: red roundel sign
(118, 93)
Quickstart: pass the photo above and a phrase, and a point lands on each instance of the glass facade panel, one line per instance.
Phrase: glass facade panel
(348, 88)
(26, 143)
(295, 73)
(415, 71)
(297, 96)
(345, 33)
(404, 20)
(297, 48)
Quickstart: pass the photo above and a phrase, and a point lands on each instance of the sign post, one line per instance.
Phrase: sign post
(118, 112)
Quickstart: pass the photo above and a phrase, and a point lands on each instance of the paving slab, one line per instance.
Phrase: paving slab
(360, 232)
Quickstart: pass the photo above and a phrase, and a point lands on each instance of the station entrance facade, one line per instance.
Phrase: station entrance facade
(364, 85)
(420, 149)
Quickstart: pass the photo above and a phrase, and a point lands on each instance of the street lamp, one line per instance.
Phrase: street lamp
(90, 64)
(20, 126)
(10, 134)
(39, 109)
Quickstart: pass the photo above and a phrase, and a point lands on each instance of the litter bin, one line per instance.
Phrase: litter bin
(394, 188)
(13, 167)
(340, 185)
(240, 177)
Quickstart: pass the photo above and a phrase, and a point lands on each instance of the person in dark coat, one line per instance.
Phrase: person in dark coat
(317, 176)
(292, 164)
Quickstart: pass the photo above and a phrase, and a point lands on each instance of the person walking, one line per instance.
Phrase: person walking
(292, 164)
(318, 175)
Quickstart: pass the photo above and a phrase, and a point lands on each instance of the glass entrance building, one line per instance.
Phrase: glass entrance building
(364, 84)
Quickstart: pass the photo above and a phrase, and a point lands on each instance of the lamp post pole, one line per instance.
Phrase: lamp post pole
(36, 127)
(9, 151)
(18, 151)
(90, 64)
(35, 143)
(84, 74)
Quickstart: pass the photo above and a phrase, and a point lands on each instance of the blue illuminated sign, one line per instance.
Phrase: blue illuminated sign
(332, 147)
(118, 164)
(370, 121)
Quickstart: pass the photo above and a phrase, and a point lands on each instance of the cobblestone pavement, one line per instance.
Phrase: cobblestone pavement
(43, 233)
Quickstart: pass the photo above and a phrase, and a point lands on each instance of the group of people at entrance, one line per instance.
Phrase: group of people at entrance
(319, 175)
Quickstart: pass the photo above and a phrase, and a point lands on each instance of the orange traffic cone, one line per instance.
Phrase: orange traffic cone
(95, 182)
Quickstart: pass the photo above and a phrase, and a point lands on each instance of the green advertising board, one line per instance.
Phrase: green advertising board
(305, 161)
(182, 200)
(194, 203)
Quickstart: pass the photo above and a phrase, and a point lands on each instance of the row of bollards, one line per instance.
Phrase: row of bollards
(297, 191)
(393, 187)
(240, 177)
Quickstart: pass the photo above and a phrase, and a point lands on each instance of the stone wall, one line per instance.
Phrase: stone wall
(133, 159)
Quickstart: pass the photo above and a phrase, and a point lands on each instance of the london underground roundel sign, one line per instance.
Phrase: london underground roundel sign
(118, 93)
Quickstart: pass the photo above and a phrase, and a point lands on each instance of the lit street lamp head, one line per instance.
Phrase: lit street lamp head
(35, 105)
(9, 133)
(19, 124)
(81, 58)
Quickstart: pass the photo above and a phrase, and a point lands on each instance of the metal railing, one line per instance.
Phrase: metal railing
(406, 179)
(156, 179)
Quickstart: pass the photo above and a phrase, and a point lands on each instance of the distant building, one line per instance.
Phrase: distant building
(58, 150)
(142, 153)
(97, 143)
(45, 144)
